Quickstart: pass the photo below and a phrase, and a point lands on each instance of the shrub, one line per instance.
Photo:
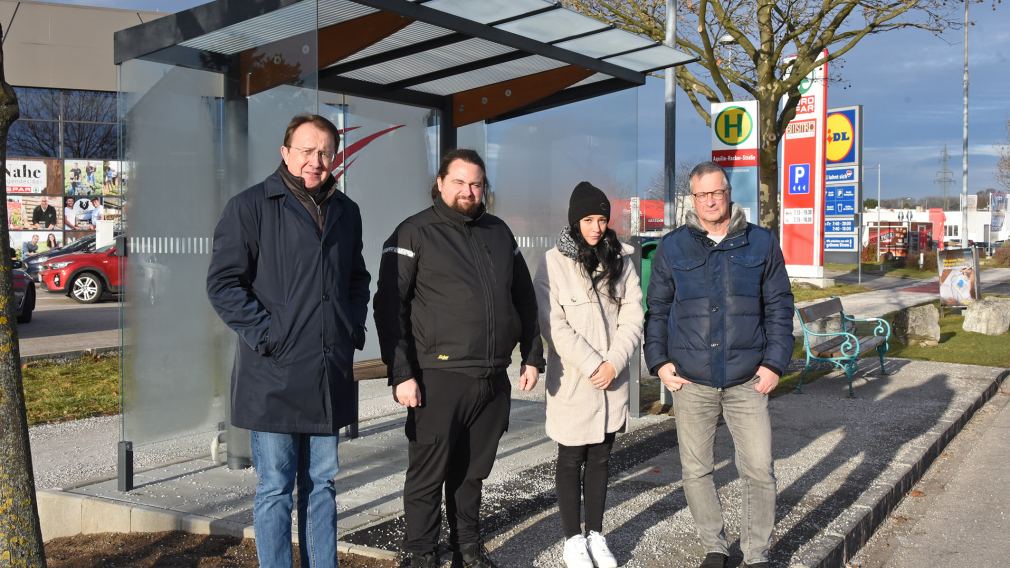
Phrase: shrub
(929, 260)
(870, 253)
(1001, 257)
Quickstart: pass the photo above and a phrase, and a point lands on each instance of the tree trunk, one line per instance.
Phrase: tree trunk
(768, 174)
(20, 532)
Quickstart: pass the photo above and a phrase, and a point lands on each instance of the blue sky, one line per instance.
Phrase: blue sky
(909, 83)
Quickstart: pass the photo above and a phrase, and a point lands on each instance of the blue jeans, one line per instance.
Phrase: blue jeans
(280, 461)
(697, 408)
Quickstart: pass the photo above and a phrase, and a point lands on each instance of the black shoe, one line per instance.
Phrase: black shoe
(474, 556)
(714, 560)
(756, 565)
(427, 560)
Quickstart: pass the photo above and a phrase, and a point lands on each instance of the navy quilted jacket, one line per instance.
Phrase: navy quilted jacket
(718, 311)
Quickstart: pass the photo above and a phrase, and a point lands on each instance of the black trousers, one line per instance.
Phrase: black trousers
(453, 440)
(582, 474)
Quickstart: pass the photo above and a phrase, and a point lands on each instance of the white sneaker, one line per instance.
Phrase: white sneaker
(601, 554)
(577, 553)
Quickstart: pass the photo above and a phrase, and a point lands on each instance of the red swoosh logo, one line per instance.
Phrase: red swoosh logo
(359, 145)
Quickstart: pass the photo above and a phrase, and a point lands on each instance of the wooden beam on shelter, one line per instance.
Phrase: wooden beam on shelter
(490, 101)
(281, 62)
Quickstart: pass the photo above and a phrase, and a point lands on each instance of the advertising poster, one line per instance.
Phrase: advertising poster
(82, 213)
(802, 182)
(34, 176)
(27, 243)
(997, 211)
(36, 212)
(959, 280)
(93, 177)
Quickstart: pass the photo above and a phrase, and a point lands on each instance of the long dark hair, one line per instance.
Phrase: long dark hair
(606, 253)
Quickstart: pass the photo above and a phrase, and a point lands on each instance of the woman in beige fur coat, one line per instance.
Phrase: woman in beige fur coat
(591, 315)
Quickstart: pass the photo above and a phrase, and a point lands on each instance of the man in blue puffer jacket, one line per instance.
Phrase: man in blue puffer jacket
(719, 335)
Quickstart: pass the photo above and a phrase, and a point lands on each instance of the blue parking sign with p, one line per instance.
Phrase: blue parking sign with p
(799, 179)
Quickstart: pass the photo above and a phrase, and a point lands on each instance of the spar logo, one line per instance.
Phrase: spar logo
(733, 126)
(841, 137)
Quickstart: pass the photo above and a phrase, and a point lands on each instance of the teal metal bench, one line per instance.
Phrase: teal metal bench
(839, 348)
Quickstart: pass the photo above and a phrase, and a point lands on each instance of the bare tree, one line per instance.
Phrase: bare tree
(743, 47)
(20, 532)
(88, 118)
(983, 198)
(1003, 163)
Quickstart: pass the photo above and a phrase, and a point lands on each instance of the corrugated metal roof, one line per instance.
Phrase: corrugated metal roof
(489, 75)
(448, 47)
(452, 55)
(300, 18)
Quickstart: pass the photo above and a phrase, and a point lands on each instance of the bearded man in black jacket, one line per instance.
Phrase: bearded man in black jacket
(454, 297)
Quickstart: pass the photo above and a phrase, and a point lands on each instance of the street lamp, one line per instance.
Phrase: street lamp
(878, 204)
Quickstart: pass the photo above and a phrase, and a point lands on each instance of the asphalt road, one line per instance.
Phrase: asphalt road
(60, 324)
(957, 515)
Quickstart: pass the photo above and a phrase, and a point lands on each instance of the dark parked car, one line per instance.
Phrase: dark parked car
(33, 264)
(24, 293)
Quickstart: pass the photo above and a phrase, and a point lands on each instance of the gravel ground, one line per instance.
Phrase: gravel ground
(67, 454)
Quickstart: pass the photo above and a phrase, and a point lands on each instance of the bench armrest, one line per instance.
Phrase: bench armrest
(849, 347)
(882, 329)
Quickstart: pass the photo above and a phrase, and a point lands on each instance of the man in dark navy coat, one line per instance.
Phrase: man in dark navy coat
(719, 334)
(288, 276)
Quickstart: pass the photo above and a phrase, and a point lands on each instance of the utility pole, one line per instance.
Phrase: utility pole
(945, 177)
(670, 122)
(964, 141)
(670, 149)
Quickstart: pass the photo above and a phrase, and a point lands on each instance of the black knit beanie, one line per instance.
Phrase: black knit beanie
(586, 200)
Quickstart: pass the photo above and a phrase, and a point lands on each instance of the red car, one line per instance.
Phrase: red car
(84, 276)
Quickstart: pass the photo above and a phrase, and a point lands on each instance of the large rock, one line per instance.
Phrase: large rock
(990, 316)
(917, 324)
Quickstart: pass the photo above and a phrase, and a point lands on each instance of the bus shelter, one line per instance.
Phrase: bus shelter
(544, 93)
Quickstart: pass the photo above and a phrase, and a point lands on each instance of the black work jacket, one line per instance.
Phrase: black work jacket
(298, 301)
(454, 293)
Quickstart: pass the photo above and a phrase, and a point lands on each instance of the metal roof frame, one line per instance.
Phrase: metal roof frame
(217, 35)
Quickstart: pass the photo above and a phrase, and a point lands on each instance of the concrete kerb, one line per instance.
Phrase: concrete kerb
(849, 532)
(64, 356)
(65, 514)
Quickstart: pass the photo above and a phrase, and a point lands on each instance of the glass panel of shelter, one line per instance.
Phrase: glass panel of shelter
(193, 139)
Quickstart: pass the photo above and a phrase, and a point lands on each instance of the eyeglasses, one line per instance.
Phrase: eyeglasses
(308, 153)
(475, 186)
(718, 195)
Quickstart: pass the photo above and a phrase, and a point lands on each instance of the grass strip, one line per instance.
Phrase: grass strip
(81, 388)
(808, 292)
(958, 346)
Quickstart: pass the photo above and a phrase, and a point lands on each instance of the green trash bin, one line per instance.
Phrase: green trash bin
(648, 251)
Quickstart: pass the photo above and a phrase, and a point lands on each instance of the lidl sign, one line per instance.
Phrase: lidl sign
(841, 141)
